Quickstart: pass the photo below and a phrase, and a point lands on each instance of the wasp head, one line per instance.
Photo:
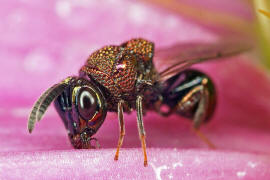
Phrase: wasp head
(80, 104)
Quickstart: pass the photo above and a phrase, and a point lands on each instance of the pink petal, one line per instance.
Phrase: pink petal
(42, 43)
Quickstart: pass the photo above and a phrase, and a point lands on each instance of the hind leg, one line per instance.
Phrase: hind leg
(190, 94)
(200, 113)
(199, 97)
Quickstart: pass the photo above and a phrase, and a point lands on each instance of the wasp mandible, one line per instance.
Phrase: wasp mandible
(124, 78)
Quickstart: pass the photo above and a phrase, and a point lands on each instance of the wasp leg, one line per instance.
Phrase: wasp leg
(203, 138)
(157, 107)
(97, 145)
(140, 126)
(200, 112)
(122, 128)
(171, 110)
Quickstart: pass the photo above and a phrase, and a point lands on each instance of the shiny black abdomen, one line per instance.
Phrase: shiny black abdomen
(178, 86)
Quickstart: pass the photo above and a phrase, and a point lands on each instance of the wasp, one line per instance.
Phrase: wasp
(124, 78)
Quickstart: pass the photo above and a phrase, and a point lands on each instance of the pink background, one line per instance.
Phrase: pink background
(42, 42)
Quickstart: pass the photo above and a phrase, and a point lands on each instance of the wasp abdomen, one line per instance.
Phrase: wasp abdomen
(186, 90)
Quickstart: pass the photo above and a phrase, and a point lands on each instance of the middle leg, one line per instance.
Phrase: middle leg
(141, 126)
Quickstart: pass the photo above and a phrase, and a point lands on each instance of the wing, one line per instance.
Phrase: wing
(172, 60)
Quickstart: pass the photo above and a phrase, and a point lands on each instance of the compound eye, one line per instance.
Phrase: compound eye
(87, 103)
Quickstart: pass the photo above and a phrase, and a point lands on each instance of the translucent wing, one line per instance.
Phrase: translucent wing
(172, 60)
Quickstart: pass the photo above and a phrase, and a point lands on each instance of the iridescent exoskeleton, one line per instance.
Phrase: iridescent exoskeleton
(129, 77)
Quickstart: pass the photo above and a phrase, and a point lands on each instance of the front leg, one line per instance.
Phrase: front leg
(122, 128)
